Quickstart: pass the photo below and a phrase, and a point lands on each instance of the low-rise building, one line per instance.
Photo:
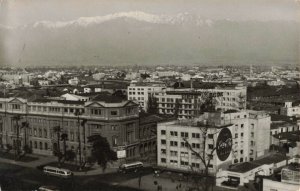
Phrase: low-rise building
(289, 179)
(241, 174)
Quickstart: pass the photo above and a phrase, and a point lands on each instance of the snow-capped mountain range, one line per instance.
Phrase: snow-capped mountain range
(177, 19)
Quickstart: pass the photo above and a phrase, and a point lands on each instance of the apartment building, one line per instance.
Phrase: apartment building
(247, 132)
(187, 102)
(111, 117)
(141, 91)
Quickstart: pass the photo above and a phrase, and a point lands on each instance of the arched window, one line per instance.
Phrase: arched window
(41, 145)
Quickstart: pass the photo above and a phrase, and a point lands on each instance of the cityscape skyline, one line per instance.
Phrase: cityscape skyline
(157, 95)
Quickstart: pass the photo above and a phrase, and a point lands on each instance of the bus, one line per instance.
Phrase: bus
(57, 171)
(135, 166)
(48, 188)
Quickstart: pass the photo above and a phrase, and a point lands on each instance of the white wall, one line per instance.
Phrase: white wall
(270, 185)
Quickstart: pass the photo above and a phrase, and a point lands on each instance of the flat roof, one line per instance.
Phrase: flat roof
(247, 166)
(243, 167)
(273, 158)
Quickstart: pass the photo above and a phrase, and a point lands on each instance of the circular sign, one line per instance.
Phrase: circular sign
(224, 144)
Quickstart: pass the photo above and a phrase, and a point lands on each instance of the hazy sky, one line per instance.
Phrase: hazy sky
(39, 32)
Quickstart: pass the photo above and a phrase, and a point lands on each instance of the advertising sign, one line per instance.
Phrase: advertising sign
(224, 144)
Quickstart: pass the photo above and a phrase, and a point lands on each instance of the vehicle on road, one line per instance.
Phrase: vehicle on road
(131, 167)
(57, 171)
(48, 188)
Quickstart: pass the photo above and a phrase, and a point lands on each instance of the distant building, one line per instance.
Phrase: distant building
(73, 97)
(290, 110)
(16, 76)
(140, 92)
(277, 82)
(74, 81)
(187, 102)
(99, 76)
(44, 82)
(166, 73)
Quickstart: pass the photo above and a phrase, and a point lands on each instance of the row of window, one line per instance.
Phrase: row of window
(138, 93)
(142, 89)
(183, 163)
(98, 112)
(182, 144)
(67, 110)
(43, 133)
(185, 134)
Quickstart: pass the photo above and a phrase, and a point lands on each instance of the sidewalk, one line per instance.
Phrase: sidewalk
(32, 164)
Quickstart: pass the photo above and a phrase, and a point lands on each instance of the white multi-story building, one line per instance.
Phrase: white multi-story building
(246, 132)
(290, 110)
(188, 102)
(141, 92)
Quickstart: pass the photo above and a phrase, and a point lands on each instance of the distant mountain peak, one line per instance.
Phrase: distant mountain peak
(178, 19)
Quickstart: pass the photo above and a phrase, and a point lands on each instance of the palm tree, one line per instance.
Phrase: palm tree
(64, 138)
(25, 126)
(17, 118)
(57, 152)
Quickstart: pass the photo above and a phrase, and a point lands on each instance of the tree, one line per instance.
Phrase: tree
(57, 151)
(101, 151)
(152, 105)
(17, 144)
(70, 155)
(206, 152)
(145, 75)
(119, 93)
(208, 105)
(25, 127)
(64, 138)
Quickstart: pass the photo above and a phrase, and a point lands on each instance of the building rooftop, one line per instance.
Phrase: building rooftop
(46, 100)
(203, 85)
(273, 158)
(150, 119)
(275, 117)
(290, 136)
(193, 123)
(243, 167)
(276, 125)
(247, 166)
(108, 98)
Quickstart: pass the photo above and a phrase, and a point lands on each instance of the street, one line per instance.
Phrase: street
(14, 177)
